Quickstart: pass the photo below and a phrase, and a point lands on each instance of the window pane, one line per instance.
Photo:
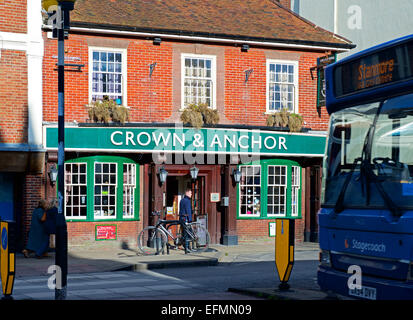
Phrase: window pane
(76, 190)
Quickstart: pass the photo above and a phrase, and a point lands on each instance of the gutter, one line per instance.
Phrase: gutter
(207, 37)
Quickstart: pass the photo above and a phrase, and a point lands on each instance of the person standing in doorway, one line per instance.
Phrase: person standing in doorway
(185, 215)
(50, 225)
(38, 238)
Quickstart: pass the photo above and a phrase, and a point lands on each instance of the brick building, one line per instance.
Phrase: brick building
(245, 59)
(21, 152)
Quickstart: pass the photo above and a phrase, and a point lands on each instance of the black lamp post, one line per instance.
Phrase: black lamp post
(60, 28)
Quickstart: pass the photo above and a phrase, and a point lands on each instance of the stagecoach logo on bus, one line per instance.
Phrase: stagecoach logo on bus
(365, 246)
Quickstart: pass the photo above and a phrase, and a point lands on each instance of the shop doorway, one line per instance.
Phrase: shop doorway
(315, 197)
(175, 191)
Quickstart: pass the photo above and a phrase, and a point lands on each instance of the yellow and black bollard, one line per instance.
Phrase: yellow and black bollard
(284, 250)
(7, 257)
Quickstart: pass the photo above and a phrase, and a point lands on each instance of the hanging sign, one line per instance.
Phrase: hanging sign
(187, 140)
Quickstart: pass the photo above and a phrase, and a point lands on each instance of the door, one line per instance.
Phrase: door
(315, 194)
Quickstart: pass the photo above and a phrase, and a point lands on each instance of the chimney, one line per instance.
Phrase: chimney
(285, 3)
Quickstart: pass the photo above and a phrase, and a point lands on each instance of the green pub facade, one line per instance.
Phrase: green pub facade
(157, 61)
(113, 179)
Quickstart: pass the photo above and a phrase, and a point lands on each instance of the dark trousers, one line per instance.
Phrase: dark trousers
(185, 236)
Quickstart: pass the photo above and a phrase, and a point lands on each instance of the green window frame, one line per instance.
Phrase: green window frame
(279, 183)
(111, 197)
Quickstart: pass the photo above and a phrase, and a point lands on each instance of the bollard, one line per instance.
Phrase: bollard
(284, 250)
(7, 258)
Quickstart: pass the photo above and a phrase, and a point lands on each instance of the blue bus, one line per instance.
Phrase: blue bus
(366, 216)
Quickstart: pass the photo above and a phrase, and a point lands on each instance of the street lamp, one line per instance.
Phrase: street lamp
(62, 9)
(163, 174)
(194, 172)
(237, 175)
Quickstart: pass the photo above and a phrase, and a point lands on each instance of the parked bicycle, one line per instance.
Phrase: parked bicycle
(153, 239)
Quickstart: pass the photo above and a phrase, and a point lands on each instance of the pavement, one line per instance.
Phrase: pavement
(95, 260)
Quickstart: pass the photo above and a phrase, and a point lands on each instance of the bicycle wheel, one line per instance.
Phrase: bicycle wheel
(151, 241)
(199, 239)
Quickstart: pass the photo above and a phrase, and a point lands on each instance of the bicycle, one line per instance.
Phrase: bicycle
(152, 239)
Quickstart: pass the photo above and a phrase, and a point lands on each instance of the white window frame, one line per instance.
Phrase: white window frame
(131, 186)
(124, 53)
(71, 185)
(240, 215)
(213, 76)
(101, 184)
(295, 82)
(295, 190)
(280, 185)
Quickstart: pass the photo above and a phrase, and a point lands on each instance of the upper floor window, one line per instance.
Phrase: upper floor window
(107, 74)
(198, 80)
(282, 85)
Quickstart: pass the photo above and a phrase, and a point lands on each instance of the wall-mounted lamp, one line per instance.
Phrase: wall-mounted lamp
(151, 69)
(194, 172)
(245, 48)
(53, 174)
(163, 174)
(237, 175)
(157, 41)
(248, 74)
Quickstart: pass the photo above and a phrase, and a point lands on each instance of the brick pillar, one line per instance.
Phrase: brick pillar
(33, 191)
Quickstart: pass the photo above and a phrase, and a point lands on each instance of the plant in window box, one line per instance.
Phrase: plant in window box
(103, 111)
(295, 122)
(197, 115)
(278, 119)
(285, 119)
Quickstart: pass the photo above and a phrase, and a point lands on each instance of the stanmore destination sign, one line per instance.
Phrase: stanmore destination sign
(186, 140)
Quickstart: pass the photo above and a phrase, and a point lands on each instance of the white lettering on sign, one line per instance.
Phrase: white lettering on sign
(129, 138)
(254, 142)
(215, 140)
(181, 141)
(148, 141)
(282, 143)
(274, 143)
(161, 137)
(164, 139)
(231, 142)
(112, 136)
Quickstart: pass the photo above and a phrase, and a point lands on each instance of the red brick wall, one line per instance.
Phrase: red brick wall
(259, 230)
(154, 99)
(32, 191)
(151, 99)
(148, 99)
(13, 16)
(13, 96)
(308, 94)
(82, 234)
